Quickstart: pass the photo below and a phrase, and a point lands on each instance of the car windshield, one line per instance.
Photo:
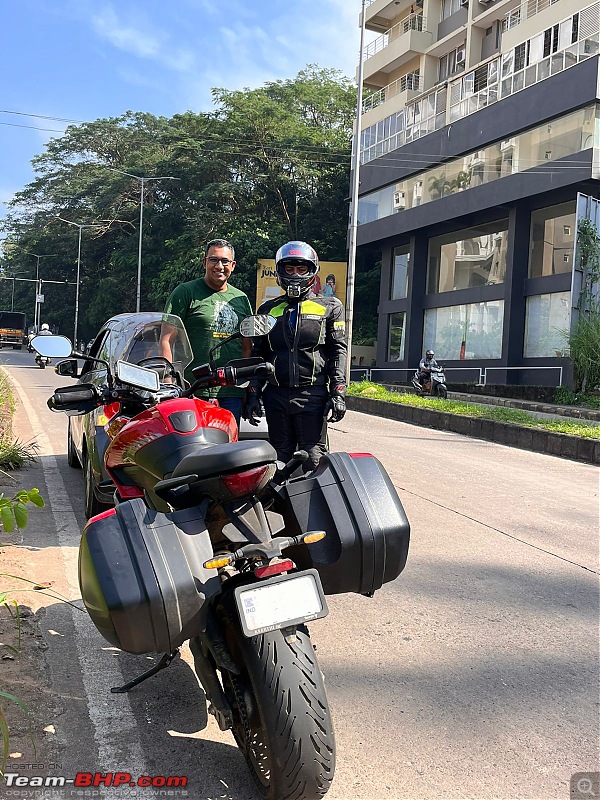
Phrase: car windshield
(145, 335)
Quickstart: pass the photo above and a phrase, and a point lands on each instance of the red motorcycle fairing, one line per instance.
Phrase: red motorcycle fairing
(149, 446)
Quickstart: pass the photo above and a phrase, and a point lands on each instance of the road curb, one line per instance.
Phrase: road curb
(575, 448)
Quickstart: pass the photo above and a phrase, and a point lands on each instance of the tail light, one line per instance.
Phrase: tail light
(248, 482)
(275, 568)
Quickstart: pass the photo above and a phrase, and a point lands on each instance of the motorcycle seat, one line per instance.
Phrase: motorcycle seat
(226, 458)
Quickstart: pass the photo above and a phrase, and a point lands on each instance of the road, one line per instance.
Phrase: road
(474, 675)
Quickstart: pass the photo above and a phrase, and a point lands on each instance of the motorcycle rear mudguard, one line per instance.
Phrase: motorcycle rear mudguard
(142, 577)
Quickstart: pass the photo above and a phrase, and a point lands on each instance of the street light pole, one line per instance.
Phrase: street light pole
(142, 181)
(36, 309)
(81, 227)
(351, 274)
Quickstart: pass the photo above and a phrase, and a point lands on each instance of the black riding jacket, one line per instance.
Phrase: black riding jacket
(307, 348)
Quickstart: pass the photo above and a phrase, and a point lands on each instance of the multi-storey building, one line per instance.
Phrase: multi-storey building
(478, 137)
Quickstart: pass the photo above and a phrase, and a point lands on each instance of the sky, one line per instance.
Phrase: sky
(65, 61)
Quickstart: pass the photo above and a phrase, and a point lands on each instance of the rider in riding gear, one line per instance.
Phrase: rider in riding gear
(308, 350)
(426, 365)
(45, 330)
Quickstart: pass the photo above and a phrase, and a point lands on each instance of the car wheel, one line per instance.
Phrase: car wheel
(72, 459)
(92, 505)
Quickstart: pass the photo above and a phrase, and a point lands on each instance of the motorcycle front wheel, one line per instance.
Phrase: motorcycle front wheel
(282, 722)
(442, 392)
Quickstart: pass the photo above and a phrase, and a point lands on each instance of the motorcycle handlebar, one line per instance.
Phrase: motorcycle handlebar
(233, 374)
(243, 374)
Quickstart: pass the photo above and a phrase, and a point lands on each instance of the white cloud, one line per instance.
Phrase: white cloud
(147, 44)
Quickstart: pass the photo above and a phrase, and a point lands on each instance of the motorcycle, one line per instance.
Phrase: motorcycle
(212, 541)
(433, 386)
(42, 361)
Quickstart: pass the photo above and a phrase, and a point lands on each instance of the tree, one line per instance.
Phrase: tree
(267, 165)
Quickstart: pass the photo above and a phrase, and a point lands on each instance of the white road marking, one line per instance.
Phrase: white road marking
(115, 728)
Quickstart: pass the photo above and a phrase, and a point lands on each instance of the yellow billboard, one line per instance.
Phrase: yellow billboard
(331, 280)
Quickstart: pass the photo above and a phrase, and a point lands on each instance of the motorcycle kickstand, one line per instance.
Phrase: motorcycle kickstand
(164, 662)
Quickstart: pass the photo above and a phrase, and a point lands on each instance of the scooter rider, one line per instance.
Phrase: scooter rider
(308, 350)
(426, 365)
(45, 330)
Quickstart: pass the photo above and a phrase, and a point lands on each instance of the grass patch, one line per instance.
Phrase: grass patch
(13, 453)
(497, 413)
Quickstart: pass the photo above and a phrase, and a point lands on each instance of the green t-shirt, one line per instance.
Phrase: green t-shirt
(209, 317)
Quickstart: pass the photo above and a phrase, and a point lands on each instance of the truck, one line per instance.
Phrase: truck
(13, 329)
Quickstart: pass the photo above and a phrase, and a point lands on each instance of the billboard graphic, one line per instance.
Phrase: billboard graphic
(331, 280)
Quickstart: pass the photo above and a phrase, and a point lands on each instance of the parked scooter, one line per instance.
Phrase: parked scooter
(210, 542)
(434, 385)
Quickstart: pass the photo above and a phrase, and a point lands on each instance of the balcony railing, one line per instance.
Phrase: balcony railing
(410, 81)
(413, 22)
(526, 10)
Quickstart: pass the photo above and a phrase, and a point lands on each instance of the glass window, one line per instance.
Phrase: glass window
(399, 284)
(466, 331)
(551, 240)
(468, 258)
(552, 140)
(396, 333)
(546, 320)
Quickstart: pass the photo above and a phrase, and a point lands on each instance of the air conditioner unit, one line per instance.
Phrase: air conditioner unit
(508, 144)
(399, 201)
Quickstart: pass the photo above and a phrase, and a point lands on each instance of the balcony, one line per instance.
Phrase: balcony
(380, 14)
(395, 47)
(394, 97)
(526, 10)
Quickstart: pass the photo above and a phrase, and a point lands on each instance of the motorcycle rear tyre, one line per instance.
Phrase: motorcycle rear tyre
(282, 722)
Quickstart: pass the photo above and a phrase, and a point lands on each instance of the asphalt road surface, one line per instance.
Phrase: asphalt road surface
(473, 675)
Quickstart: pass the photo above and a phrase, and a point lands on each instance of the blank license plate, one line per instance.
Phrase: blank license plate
(279, 602)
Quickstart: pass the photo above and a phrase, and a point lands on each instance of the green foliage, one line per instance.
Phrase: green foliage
(584, 336)
(565, 397)
(13, 510)
(498, 413)
(267, 165)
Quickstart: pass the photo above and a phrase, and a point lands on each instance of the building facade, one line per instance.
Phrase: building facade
(479, 156)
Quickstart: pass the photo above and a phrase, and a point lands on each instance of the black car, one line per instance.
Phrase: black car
(128, 337)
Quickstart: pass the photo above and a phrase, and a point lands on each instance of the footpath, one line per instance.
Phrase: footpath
(575, 448)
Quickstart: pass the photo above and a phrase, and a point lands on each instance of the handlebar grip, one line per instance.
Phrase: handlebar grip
(72, 397)
(253, 371)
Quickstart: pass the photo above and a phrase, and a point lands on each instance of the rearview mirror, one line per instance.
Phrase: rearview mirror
(257, 325)
(67, 368)
(52, 346)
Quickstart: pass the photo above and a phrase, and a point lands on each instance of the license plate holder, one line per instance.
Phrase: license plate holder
(280, 602)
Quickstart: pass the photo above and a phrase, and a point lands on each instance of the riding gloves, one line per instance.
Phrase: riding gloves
(253, 410)
(335, 408)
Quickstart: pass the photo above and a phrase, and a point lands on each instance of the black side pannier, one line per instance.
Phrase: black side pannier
(142, 579)
(352, 498)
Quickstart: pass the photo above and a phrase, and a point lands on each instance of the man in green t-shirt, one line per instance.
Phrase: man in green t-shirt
(211, 310)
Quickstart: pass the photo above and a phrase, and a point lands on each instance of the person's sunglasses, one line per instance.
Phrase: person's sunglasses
(214, 261)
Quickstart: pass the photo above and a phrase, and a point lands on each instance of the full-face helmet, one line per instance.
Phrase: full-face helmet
(429, 355)
(45, 327)
(297, 265)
